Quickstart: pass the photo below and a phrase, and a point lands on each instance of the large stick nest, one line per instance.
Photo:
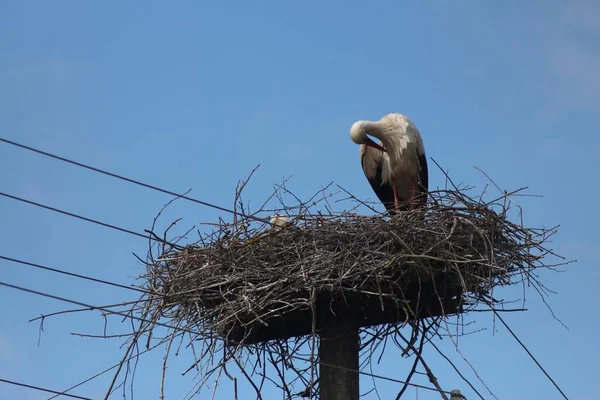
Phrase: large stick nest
(248, 281)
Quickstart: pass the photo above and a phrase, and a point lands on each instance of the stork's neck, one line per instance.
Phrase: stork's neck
(381, 131)
(373, 128)
(392, 138)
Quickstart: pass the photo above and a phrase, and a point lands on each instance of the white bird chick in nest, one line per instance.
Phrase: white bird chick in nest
(280, 222)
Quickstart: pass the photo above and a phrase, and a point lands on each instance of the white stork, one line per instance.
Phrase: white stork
(397, 167)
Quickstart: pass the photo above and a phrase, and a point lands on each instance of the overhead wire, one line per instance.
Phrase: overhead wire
(530, 355)
(41, 389)
(103, 309)
(126, 179)
(86, 219)
(107, 311)
(72, 274)
(133, 181)
(91, 378)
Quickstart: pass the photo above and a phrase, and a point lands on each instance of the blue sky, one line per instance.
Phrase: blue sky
(193, 95)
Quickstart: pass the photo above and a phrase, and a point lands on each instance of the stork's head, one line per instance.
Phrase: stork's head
(359, 133)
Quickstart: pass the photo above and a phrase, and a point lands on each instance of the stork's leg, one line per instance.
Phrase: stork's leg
(412, 204)
(396, 201)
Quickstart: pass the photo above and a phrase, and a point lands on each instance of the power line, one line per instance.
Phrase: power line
(63, 272)
(41, 389)
(158, 189)
(531, 355)
(91, 307)
(107, 311)
(91, 378)
(87, 306)
(86, 219)
(135, 182)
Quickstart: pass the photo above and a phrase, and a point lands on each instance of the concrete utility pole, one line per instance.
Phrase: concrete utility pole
(339, 343)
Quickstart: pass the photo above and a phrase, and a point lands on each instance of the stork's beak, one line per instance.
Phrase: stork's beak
(371, 143)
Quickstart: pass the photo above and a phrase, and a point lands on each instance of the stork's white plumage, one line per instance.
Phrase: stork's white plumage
(397, 167)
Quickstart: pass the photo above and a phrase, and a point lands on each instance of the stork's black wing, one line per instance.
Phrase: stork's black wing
(423, 177)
